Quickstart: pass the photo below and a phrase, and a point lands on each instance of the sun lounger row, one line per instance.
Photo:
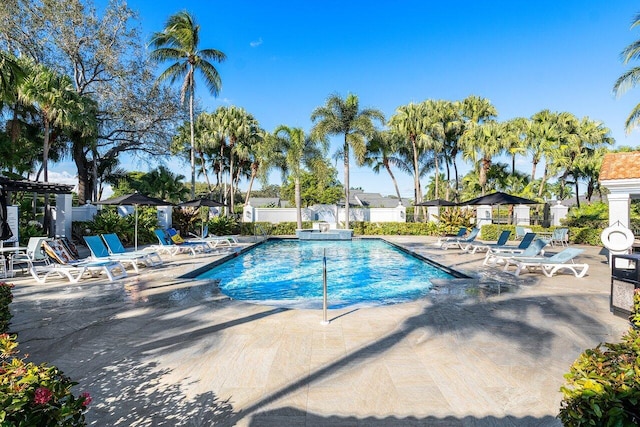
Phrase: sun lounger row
(527, 255)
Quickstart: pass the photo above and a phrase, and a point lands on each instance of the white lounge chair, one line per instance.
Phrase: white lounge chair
(65, 265)
(502, 240)
(551, 265)
(534, 249)
(99, 252)
(115, 247)
(462, 243)
(461, 232)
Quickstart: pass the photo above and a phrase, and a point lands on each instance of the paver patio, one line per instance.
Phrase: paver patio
(160, 350)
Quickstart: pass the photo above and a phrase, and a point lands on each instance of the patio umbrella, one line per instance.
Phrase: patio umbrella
(436, 202)
(499, 198)
(197, 203)
(135, 200)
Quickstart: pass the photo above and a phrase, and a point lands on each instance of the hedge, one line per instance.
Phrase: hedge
(579, 235)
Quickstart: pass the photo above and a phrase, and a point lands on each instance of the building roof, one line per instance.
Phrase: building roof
(620, 166)
(33, 186)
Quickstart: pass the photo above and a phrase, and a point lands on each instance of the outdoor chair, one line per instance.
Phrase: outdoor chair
(462, 243)
(534, 249)
(502, 240)
(175, 245)
(459, 235)
(560, 236)
(115, 247)
(550, 265)
(522, 231)
(65, 265)
(34, 254)
(100, 252)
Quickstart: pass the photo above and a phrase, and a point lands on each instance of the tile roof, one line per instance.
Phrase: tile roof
(620, 166)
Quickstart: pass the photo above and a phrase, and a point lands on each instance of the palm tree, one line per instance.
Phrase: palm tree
(291, 150)
(237, 128)
(381, 151)
(11, 74)
(475, 112)
(343, 117)
(55, 100)
(409, 122)
(630, 78)
(481, 144)
(178, 43)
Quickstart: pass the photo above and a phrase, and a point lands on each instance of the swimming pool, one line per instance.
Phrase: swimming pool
(288, 273)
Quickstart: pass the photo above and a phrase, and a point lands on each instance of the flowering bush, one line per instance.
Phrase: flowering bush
(5, 299)
(36, 395)
(635, 316)
(603, 384)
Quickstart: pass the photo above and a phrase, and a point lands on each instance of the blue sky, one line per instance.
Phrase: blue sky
(285, 58)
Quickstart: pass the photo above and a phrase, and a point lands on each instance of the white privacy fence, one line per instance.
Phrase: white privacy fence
(325, 213)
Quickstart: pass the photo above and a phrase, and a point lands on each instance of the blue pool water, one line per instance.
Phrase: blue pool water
(359, 273)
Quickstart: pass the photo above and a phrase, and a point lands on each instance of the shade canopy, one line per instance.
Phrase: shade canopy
(436, 202)
(135, 199)
(201, 202)
(499, 198)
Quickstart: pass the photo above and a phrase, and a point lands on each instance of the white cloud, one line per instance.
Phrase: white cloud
(256, 43)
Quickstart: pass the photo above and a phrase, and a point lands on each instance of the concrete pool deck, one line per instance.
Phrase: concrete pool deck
(158, 350)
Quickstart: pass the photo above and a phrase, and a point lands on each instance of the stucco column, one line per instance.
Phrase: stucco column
(619, 206)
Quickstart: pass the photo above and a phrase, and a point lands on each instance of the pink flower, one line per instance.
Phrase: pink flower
(43, 396)
(87, 399)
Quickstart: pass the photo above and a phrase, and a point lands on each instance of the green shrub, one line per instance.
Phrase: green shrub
(6, 296)
(109, 221)
(595, 215)
(223, 226)
(36, 395)
(603, 384)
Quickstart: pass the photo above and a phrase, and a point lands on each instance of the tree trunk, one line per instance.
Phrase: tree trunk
(436, 192)
(416, 174)
(84, 180)
(393, 178)
(254, 172)
(543, 182)
(298, 198)
(346, 182)
(204, 171)
(193, 145)
(482, 178)
(577, 193)
(231, 201)
(533, 171)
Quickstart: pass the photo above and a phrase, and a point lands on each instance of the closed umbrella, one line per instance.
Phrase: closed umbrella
(135, 200)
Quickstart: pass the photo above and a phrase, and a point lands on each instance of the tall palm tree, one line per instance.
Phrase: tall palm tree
(630, 78)
(475, 112)
(56, 101)
(481, 144)
(410, 123)
(11, 74)
(179, 43)
(292, 152)
(381, 151)
(237, 128)
(344, 117)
